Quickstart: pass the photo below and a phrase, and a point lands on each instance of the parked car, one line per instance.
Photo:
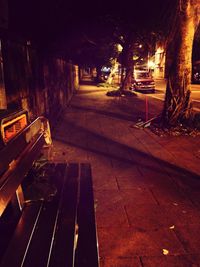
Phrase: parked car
(105, 75)
(143, 81)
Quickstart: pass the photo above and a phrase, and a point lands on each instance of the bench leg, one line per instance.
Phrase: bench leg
(20, 197)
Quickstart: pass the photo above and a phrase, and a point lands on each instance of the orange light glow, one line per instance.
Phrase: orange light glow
(11, 128)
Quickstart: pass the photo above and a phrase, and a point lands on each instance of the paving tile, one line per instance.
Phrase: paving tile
(99, 161)
(183, 214)
(194, 196)
(137, 196)
(137, 146)
(170, 196)
(156, 171)
(157, 178)
(124, 168)
(131, 262)
(172, 261)
(97, 146)
(149, 164)
(103, 180)
(128, 242)
(119, 153)
(186, 161)
(101, 168)
(189, 236)
(111, 215)
(129, 179)
(187, 183)
(107, 197)
(148, 217)
(67, 153)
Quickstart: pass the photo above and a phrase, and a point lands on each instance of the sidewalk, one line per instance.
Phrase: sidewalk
(146, 187)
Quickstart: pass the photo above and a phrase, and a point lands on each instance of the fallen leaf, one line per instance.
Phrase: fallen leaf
(165, 251)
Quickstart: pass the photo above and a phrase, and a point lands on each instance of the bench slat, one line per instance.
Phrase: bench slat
(86, 253)
(17, 249)
(40, 246)
(8, 224)
(63, 252)
(45, 234)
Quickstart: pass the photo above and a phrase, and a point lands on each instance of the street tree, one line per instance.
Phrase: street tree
(137, 47)
(127, 61)
(177, 106)
(134, 43)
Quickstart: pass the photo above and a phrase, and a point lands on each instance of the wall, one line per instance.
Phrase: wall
(3, 102)
(60, 82)
(42, 86)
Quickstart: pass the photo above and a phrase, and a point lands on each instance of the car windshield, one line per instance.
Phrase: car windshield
(142, 75)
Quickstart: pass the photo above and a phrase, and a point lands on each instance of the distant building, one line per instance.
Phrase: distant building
(160, 58)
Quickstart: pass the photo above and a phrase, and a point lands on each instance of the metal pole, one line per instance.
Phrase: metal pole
(146, 103)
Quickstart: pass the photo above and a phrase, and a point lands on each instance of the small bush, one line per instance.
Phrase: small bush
(114, 93)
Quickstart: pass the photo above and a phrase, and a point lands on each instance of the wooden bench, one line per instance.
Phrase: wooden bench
(57, 232)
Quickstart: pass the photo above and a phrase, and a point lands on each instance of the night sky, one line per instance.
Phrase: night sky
(48, 20)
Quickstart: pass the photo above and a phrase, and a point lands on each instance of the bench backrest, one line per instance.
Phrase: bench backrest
(18, 155)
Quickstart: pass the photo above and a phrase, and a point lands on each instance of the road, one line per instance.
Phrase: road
(161, 87)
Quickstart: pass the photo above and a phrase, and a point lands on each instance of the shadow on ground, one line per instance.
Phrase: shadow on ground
(82, 138)
(88, 82)
(104, 112)
(92, 91)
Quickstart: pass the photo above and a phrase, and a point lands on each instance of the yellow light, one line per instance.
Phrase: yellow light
(119, 48)
(160, 50)
(135, 57)
(11, 128)
(151, 64)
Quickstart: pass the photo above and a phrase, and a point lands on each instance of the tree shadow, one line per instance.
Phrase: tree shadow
(77, 135)
(91, 91)
(106, 113)
(88, 82)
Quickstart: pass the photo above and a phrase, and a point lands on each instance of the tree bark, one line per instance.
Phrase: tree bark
(98, 78)
(127, 65)
(177, 106)
(112, 72)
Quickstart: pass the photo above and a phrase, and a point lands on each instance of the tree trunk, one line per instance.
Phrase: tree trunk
(98, 78)
(177, 106)
(112, 72)
(126, 83)
(127, 65)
